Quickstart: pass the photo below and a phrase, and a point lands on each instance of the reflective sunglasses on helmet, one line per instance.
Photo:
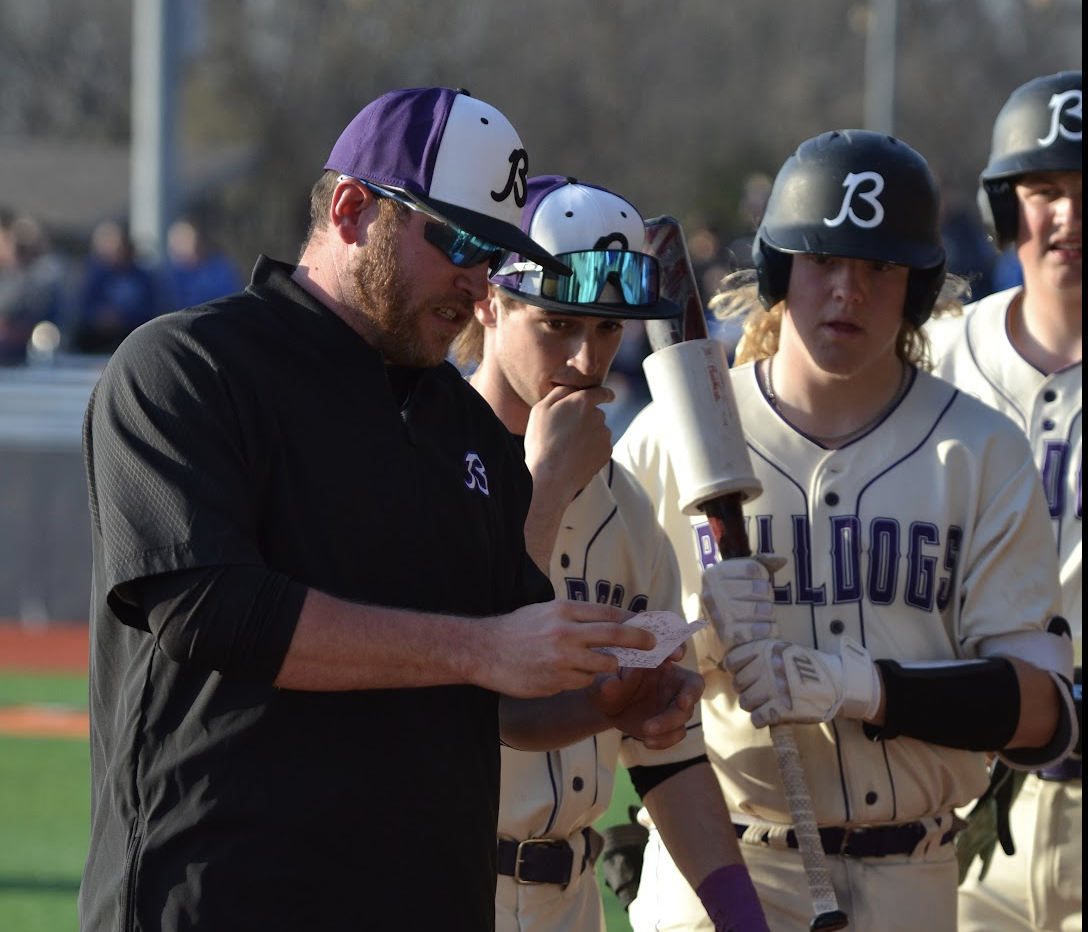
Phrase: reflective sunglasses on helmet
(462, 248)
(634, 274)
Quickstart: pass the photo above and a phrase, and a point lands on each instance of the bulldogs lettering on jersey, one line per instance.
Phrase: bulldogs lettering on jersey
(932, 558)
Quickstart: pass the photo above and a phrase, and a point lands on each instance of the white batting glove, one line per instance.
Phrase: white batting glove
(781, 682)
(738, 600)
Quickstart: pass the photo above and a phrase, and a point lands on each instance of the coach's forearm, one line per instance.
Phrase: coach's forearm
(340, 645)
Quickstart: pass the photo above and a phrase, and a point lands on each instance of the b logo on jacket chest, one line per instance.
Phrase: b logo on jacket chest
(476, 474)
(913, 563)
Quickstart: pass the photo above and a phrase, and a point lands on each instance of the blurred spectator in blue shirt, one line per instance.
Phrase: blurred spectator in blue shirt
(197, 271)
(118, 292)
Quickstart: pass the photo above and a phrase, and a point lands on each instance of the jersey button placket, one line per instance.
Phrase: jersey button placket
(1045, 422)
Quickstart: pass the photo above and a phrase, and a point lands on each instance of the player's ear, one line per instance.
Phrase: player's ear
(488, 310)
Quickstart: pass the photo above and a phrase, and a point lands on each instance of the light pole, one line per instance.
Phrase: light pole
(152, 172)
(880, 67)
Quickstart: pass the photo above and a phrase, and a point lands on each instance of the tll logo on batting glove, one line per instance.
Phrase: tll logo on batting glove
(782, 682)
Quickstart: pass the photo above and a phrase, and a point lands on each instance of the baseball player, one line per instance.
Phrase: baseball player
(1020, 351)
(543, 346)
(907, 630)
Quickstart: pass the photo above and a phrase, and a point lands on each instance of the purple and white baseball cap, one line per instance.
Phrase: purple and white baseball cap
(601, 236)
(450, 152)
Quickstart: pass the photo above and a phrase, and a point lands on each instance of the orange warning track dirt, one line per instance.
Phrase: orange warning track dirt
(40, 721)
(53, 648)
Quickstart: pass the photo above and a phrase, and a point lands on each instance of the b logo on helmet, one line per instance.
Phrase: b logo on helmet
(1067, 102)
(852, 184)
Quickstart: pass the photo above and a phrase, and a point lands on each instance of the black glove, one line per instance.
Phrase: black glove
(621, 857)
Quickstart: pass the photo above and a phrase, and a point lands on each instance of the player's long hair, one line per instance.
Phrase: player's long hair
(467, 349)
(738, 298)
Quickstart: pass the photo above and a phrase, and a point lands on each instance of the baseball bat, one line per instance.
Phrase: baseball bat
(715, 477)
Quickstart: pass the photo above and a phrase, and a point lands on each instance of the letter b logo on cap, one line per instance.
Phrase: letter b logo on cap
(518, 182)
(481, 162)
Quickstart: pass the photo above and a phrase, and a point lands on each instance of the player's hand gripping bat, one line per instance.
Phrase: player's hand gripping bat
(688, 375)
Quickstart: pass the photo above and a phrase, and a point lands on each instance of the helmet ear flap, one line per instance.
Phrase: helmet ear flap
(923, 289)
(998, 209)
(772, 272)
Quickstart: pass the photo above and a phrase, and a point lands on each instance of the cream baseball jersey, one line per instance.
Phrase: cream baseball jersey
(610, 549)
(920, 539)
(974, 353)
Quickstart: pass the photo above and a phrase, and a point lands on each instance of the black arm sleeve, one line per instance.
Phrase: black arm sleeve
(238, 620)
(973, 705)
(644, 779)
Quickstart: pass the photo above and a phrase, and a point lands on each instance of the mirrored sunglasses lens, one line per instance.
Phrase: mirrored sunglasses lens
(463, 249)
(633, 274)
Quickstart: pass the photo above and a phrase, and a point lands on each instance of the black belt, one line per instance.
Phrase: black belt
(1068, 769)
(866, 842)
(542, 860)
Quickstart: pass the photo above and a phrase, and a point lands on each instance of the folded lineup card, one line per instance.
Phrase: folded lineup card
(670, 629)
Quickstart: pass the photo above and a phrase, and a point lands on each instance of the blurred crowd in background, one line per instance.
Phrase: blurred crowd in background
(88, 303)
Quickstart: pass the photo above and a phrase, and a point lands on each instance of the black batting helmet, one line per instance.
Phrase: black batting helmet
(1038, 130)
(857, 194)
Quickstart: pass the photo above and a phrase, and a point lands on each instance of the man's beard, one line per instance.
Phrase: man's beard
(382, 293)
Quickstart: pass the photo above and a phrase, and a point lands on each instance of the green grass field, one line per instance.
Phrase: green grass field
(44, 812)
(614, 916)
